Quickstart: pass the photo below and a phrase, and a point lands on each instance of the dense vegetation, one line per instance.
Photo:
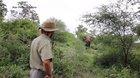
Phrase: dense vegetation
(71, 59)
(104, 59)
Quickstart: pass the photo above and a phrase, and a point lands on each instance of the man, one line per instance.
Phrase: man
(41, 52)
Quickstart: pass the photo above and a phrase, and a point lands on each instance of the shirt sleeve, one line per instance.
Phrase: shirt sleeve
(46, 52)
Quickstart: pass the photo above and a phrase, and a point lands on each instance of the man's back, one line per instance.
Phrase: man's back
(35, 55)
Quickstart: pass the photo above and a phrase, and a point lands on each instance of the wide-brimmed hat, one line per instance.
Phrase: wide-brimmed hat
(49, 25)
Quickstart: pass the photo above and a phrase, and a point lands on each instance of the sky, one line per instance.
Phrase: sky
(68, 11)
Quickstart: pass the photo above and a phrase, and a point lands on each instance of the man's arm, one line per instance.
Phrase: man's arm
(48, 67)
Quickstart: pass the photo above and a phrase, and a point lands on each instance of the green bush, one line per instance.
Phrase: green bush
(64, 53)
(111, 52)
(113, 72)
(107, 60)
(64, 37)
(71, 59)
(15, 38)
(12, 71)
(63, 63)
(135, 62)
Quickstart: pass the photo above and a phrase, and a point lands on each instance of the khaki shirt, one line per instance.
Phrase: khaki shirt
(40, 51)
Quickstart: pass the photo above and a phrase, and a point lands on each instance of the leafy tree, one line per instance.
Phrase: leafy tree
(118, 21)
(131, 4)
(137, 30)
(15, 39)
(24, 10)
(3, 10)
(59, 24)
(81, 32)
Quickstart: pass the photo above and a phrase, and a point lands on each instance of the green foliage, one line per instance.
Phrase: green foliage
(137, 30)
(64, 54)
(107, 59)
(113, 20)
(135, 62)
(74, 60)
(69, 55)
(114, 72)
(64, 37)
(12, 71)
(81, 32)
(59, 24)
(111, 52)
(3, 10)
(16, 37)
(71, 59)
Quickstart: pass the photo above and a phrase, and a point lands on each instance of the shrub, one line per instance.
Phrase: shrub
(12, 71)
(135, 62)
(113, 72)
(64, 53)
(16, 37)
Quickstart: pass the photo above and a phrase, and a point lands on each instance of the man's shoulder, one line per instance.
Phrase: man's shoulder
(41, 40)
(35, 39)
